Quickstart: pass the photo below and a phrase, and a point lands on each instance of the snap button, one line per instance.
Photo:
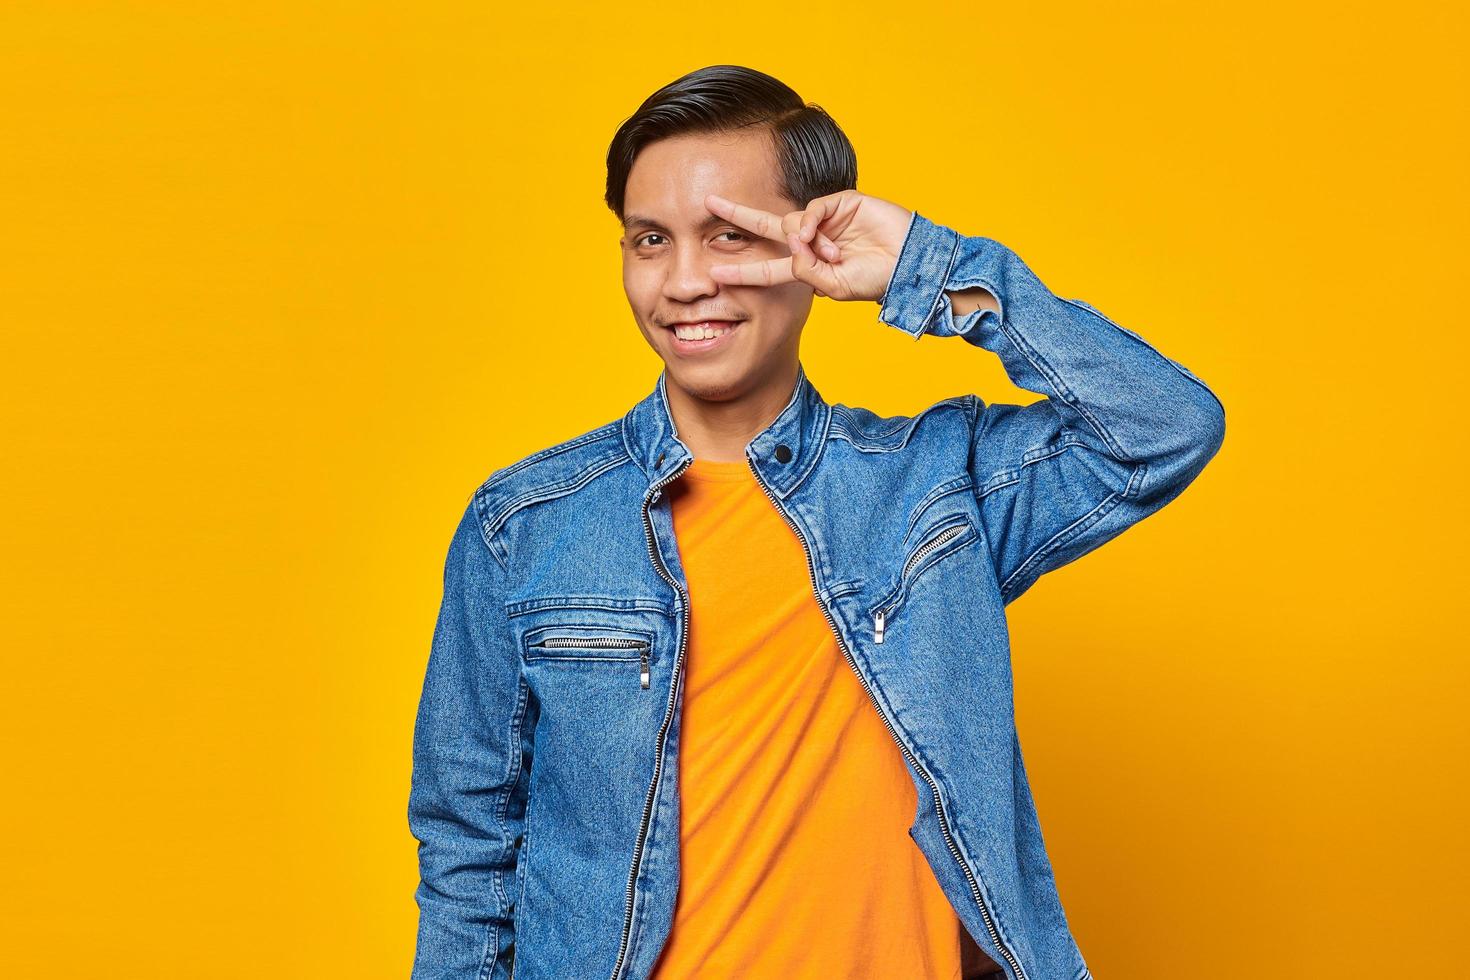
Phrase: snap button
(783, 453)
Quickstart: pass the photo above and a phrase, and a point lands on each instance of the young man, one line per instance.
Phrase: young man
(722, 687)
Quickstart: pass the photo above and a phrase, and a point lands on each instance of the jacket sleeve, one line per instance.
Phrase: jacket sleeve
(470, 757)
(1122, 429)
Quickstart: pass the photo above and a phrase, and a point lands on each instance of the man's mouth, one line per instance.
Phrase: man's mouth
(703, 330)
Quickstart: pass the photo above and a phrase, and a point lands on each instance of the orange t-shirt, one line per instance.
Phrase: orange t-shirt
(795, 801)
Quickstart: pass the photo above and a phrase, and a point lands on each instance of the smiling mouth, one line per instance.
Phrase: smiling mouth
(703, 330)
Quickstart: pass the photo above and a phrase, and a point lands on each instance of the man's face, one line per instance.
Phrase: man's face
(670, 240)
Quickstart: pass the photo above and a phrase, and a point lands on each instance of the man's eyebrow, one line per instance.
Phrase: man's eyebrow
(643, 221)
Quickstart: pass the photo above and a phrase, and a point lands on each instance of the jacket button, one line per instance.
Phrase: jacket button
(660, 460)
(783, 453)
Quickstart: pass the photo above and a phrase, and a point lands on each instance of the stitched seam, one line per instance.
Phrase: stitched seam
(1009, 476)
(897, 596)
(605, 431)
(820, 440)
(1063, 536)
(491, 951)
(983, 533)
(847, 428)
(487, 533)
(520, 607)
(907, 234)
(943, 300)
(1135, 481)
(553, 490)
(523, 861)
(1172, 363)
(933, 496)
(503, 804)
(1065, 393)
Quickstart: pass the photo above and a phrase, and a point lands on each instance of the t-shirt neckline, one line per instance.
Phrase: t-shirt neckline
(718, 471)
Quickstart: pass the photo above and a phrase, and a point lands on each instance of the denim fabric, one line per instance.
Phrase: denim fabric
(545, 779)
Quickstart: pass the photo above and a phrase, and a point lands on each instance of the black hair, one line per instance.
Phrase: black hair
(815, 156)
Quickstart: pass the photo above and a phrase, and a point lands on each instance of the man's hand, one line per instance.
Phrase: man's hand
(857, 241)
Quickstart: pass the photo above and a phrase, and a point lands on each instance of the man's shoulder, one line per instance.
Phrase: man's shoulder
(866, 429)
(548, 473)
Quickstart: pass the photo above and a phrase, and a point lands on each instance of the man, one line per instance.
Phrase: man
(722, 688)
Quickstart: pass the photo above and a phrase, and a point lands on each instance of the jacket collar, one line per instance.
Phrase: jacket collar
(782, 453)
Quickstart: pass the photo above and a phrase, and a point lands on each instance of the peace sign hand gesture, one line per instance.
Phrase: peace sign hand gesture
(857, 240)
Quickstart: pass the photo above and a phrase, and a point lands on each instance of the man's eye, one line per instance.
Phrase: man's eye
(645, 239)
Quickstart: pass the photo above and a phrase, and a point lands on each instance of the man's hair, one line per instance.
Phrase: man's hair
(814, 155)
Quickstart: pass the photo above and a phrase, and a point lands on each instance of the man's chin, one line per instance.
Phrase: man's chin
(709, 382)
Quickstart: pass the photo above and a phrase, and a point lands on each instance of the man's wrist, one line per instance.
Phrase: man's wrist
(967, 301)
(916, 285)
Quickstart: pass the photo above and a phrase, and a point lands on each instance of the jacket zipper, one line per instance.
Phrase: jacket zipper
(603, 643)
(933, 786)
(928, 546)
(658, 759)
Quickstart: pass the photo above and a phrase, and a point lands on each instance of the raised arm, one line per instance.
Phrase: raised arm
(1123, 429)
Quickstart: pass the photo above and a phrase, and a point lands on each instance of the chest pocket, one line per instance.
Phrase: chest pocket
(591, 645)
(588, 633)
(946, 537)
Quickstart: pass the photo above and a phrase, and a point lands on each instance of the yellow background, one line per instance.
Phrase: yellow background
(281, 283)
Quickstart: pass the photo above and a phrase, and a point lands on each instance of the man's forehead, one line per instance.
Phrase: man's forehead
(671, 178)
(688, 210)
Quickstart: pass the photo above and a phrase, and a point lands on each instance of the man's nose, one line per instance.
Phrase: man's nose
(688, 274)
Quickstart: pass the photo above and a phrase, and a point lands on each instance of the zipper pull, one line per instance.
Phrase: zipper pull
(878, 626)
(643, 676)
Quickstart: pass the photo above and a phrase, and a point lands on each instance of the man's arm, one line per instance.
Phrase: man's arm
(470, 753)
(1122, 429)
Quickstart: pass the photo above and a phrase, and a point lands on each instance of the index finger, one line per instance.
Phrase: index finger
(771, 272)
(763, 223)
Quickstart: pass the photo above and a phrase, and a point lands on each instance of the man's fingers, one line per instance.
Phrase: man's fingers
(818, 212)
(826, 248)
(773, 226)
(802, 263)
(771, 272)
(815, 213)
(806, 266)
(798, 229)
(762, 223)
(795, 222)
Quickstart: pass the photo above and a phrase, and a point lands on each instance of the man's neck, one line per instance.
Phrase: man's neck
(720, 430)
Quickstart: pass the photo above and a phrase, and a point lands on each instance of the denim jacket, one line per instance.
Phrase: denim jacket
(545, 793)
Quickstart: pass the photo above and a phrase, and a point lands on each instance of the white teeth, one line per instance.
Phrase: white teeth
(699, 331)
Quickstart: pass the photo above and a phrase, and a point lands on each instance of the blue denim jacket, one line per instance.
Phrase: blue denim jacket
(545, 790)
